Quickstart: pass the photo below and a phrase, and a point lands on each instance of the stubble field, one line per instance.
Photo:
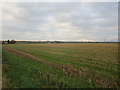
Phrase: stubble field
(63, 65)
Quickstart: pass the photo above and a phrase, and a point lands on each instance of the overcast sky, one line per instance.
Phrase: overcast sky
(60, 21)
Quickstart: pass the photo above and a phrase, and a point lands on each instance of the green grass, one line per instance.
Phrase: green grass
(96, 59)
(24, 73)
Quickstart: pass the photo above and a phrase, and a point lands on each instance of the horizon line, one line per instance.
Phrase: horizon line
(64, 40)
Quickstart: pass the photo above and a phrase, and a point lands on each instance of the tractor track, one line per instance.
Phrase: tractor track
(68, 69)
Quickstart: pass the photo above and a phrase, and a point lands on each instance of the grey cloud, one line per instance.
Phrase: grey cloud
(60, 21)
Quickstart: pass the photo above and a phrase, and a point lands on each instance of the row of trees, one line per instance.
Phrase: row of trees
(9, 42)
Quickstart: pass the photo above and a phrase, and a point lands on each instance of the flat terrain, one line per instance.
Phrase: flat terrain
(67, 65)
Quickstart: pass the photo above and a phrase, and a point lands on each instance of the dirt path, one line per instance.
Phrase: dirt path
(32, 57)
(69, 70)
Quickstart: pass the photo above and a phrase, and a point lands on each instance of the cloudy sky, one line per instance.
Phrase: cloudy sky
(60, 21)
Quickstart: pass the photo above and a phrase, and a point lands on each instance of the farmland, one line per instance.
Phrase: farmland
(65, 65)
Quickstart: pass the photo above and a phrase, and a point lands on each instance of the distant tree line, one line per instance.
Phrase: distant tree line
(9, 42)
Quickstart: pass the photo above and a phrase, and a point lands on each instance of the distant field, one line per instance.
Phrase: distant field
(67, 65)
